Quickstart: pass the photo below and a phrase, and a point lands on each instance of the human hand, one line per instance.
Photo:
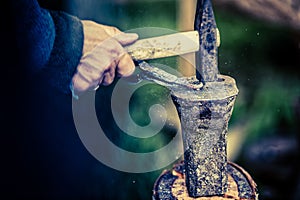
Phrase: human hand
(103, 57)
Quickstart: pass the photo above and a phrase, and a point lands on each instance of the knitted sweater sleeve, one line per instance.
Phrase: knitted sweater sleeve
(67, 50)
(49, 42)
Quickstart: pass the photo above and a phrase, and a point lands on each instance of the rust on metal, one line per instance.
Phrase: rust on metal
(172, 185)
(207, 56)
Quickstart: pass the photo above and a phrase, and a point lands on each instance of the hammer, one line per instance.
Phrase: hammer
(203, 41)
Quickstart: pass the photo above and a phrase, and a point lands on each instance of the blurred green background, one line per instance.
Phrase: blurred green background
(263, 58)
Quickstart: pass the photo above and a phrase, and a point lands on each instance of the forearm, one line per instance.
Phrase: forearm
(56, 41)
(66, 51)
(48, 42)
(34, 34)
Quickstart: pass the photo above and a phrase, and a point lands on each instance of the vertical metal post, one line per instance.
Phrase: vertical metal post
(205, 115)
(207, 56)
(204, 118)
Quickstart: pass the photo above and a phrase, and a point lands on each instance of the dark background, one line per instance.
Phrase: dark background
(262, 57)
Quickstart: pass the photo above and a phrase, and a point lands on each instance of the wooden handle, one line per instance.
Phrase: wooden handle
(164, 46)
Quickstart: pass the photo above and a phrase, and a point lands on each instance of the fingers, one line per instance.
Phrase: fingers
(103, 57)
(126, 38)
(125, 66)
(93, 35)
(110, 30)
(109, 75)
(79, 84)
(121, 37)
(101, 65)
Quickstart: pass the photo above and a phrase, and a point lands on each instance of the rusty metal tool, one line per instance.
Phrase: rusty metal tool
(161, 77)
(209, 40)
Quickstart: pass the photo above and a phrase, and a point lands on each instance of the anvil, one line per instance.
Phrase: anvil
(204, 104)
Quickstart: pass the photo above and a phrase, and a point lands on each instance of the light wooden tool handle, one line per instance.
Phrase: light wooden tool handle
(164, 46)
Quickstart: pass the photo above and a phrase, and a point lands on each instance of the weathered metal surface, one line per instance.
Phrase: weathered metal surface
(163, 187)
(204, 113)
(204, 117)
(171, 185)
(207, 56)
(161, 77)
(246, 185)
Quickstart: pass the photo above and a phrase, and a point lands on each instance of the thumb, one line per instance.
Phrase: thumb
(126, 38)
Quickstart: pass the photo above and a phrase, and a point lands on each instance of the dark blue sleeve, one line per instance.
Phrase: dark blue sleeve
(48, 42)
(66, 51)
(35, 34)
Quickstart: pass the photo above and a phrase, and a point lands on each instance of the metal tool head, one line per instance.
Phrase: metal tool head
(145, 71)
(161, 77)
(207, 56)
